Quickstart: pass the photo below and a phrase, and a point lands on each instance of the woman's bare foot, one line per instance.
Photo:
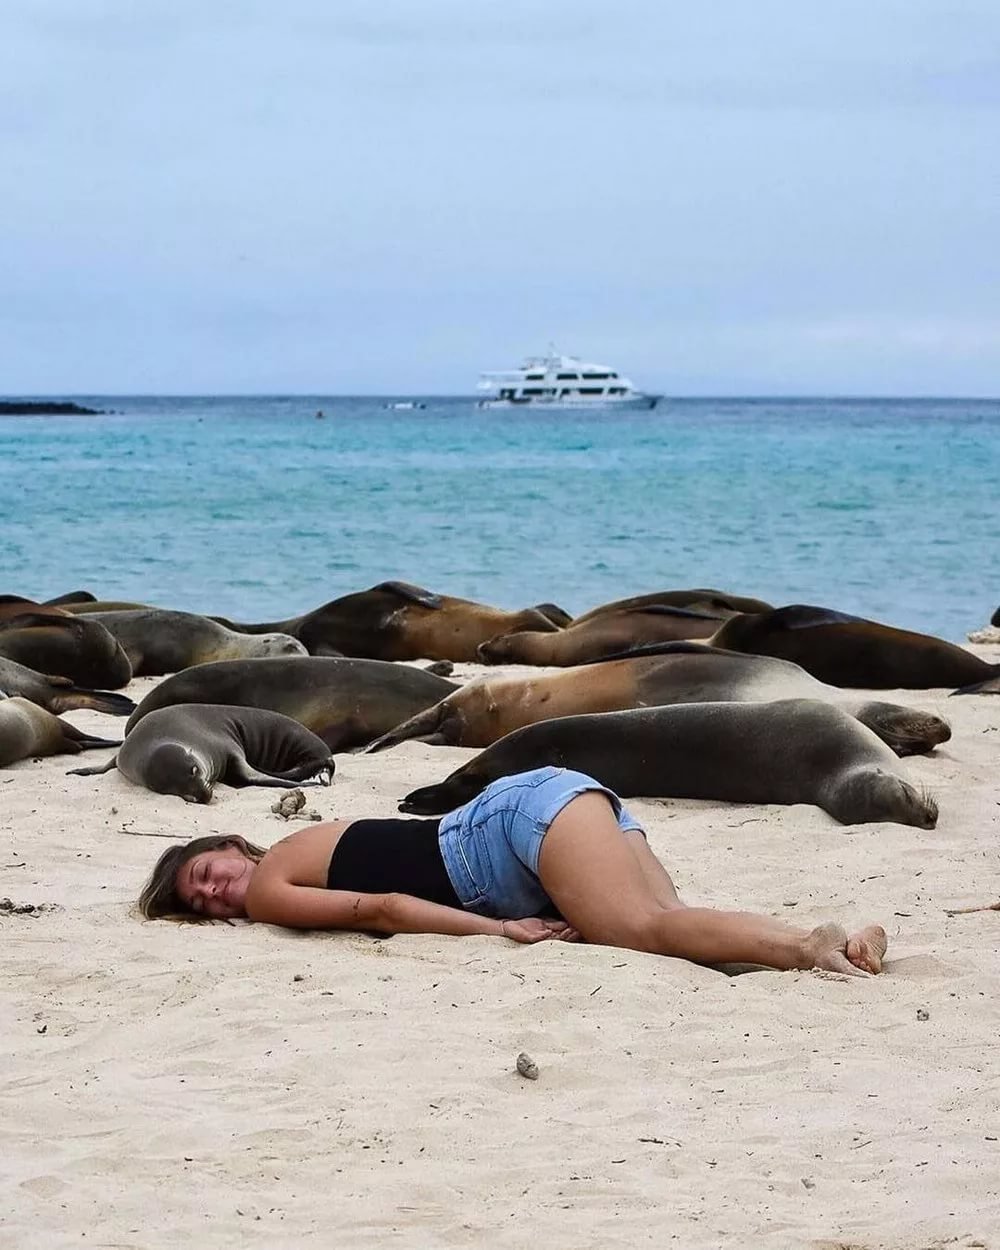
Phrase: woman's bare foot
(859, 955)
(866, 948)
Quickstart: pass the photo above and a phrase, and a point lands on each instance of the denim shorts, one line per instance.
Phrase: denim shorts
(490, 847)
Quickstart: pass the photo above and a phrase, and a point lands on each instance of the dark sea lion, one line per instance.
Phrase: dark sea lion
(995, 618)
(27, 730)
(601, 635)
(485, 710)
(58, 694)
(790, 751)
(346, 702)
(396, 621)
(69, 646)
(850, 651)
(711, 601)
(71, 596)
(185, 750)
(159, 641)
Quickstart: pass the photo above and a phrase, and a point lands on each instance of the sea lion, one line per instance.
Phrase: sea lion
(27, 730)
(185, 750)
(70, 646)
(396, 621)
(850, 651)
(17, 605)
(485, 710)
(711, 601)
(58, 694)
(605, 634)
(91, 606)
(71, 596)
(346, 702)
(159, 641)
(789, 751)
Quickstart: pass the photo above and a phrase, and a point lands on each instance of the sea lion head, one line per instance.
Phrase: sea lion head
(266, 646)
(175, 769)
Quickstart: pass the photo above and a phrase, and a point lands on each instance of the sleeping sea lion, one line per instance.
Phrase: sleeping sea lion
(27, 730)
(850, 651)
(69, 646)
(485, 710)
(710, 601)
(346, 702)
(396, 621)
(185, 750)
(607, 633)
(789, 751)
(58, 694)
(159, 641)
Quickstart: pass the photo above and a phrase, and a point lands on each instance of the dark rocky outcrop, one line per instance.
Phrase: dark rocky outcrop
(44, 408)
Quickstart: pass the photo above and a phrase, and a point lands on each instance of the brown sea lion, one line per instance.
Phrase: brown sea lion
(185, 750)
(396, 621)
(485, 710)
(91, 606)
(346, 702)
(718, 602)
(159, 641)
(27, 730)
(69, 646)
(58, 694)
(789, 751)
(850, 651)
(16, 605)
(605, 634)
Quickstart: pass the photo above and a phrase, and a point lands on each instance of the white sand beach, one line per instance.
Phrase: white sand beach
(230, 1085)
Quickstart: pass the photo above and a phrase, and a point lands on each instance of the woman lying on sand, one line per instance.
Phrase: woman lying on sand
(546, 854)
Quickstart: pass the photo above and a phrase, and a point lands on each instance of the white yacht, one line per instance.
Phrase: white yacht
(556, 381)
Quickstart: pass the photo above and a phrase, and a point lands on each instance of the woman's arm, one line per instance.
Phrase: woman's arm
(305, 907)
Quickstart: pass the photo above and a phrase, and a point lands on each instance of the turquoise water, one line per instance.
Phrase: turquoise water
(254, 509)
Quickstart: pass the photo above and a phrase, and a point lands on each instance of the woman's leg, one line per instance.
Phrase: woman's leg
(656, 876)
(595, 878)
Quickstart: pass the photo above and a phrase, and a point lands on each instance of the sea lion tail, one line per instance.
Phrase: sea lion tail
(424, 725)
(93, 772)
(991, 685)
(73, 698)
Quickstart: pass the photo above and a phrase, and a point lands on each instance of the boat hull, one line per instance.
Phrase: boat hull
(575, 405)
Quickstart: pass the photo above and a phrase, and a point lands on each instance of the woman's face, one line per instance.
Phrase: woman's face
(215, 883)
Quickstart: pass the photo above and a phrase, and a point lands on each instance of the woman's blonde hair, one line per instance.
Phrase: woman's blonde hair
(159, 898)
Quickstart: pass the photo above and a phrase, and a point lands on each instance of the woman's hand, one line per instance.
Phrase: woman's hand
(534, 929)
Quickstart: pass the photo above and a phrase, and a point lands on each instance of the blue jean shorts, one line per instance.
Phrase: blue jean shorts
(490, 847)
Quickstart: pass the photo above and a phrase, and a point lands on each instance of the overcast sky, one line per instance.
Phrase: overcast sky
(773, 197)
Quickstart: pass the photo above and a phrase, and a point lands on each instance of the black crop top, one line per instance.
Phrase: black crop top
(392, 857)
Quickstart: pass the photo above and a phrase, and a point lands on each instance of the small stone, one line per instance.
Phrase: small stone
(527, 1067)
(807, 1183)
(298, 977)
(289, 803)
(923, 1013)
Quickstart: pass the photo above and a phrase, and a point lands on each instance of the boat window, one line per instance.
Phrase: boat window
(534, 377)
(566, 377)
(591, 390)
(594, 377)
(616, 390)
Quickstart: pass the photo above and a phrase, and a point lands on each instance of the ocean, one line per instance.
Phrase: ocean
(255, 509)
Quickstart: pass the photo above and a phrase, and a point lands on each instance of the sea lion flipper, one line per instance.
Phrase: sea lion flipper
(990, 686)
(56, 679)
(93, 772)
(412, 594)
